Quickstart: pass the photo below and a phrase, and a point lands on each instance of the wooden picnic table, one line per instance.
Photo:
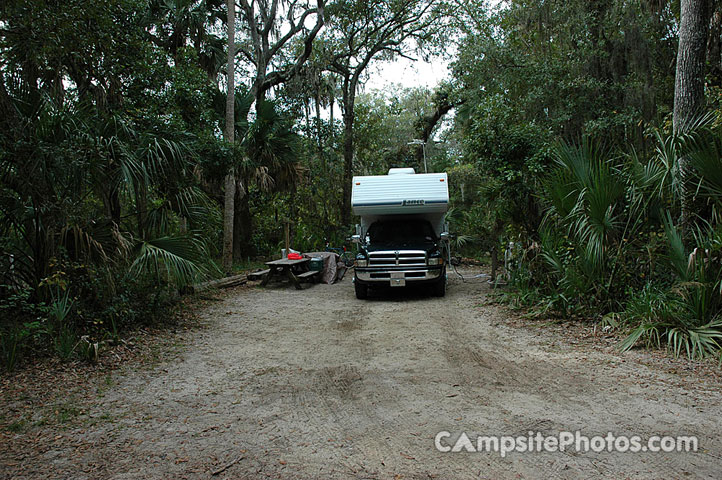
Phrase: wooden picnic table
(294, 270)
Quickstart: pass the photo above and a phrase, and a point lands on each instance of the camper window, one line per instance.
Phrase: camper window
(394, 231)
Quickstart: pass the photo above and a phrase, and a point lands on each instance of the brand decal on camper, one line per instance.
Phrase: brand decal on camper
(412, 202)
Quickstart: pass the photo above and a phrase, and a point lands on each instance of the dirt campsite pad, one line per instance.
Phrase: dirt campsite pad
(280, 383)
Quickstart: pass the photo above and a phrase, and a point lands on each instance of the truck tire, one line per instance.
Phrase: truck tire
(440, 286)
(362, 291)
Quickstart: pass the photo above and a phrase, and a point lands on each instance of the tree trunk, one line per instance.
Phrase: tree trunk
(689, 87)
(349, 99)
(230, 181)
(114, 207)
(243, 228)
(426, 124)
(141, 209)
(319, 130)
(238, 250)
(689, 80)
(257, 89)
(348, 120)
(494, 263)
(496, 234)
(228, 221)
(714, 48)
(307, 114)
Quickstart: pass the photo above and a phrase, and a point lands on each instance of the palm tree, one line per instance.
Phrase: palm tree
(689, 88)
(270, 161)
(181, 23)
(58, 159)
(228, 134)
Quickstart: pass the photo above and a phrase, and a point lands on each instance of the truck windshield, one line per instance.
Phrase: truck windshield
(401, 231)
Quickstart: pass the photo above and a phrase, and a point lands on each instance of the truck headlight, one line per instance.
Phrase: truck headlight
(362, 262)
(436, 261)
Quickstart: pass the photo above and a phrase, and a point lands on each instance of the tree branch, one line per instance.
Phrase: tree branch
(278, 77)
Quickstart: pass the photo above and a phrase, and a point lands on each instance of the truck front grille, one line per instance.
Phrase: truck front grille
(402, 258)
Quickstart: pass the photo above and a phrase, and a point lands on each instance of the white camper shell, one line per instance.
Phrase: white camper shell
(400, 248)
(401, 192)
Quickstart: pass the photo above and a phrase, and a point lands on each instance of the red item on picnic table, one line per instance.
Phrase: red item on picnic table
(294, 256)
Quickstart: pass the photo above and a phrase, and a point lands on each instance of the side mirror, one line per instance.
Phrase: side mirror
(355, 238)
(445, 236)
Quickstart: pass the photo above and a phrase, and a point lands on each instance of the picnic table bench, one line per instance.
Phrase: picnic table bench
(259, 275)
(294, 270)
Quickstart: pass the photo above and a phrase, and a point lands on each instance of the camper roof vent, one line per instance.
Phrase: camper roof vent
(401, 171)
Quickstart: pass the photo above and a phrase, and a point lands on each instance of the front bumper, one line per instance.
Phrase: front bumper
(387, 276)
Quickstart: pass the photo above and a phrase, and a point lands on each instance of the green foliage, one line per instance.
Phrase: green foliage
(64, 340)
(586, 197)
(576, 67)
(11, 345)
(494, 191)
(59, 309)
(60, 328)
(16, 339)
(609, 244)
(112, 162)
(100, 138)
(530, 73)
(177, 260)
(684, 319)
(271, 150)
(22, 326)
(386, 122)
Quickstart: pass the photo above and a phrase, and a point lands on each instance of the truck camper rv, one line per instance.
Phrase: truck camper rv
(402, 234)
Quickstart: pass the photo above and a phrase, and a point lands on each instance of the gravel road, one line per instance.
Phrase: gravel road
(316, 384)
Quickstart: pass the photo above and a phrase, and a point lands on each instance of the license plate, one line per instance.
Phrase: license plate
(397, 279)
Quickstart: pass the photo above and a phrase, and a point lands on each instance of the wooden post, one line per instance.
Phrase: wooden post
(287, 236)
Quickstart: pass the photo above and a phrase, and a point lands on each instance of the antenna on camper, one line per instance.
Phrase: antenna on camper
(417, 141)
